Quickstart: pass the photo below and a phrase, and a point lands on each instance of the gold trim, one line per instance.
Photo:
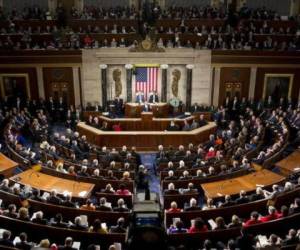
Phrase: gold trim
(291, 80)
(26, 76)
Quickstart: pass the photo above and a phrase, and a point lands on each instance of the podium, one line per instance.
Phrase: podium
(134, 110)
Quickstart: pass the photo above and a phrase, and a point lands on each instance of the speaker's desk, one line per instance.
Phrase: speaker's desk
(145, 140)
(290, 164)
(7, 166)
(44, 182)
(134, 110)
(247, 182)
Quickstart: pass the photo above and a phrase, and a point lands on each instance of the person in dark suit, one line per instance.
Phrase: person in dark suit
(172, 127)
(140, 98)
(53, 199)
(119, 228)
(51, 106)
(119, 105)
(78, 224)
(235, 107)
(245, 241)
(57, 221)
(39, 218)
(61, 109)
(24, 244)
(146, 107)
(202, 122)
(193, 205)
(153, 98)
(243, 198)
(5, 241)
(195, 108)
(171, 189)
(121, 206)
(102, 205)
(68, 244)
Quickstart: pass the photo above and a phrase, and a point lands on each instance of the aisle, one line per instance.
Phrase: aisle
(148, 160)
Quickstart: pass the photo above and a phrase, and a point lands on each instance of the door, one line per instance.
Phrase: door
(60, 90)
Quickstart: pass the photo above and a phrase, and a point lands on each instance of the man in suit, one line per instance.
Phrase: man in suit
(140, 98)
(5, 241)
(146, 107)
(61, 109)
(119, 104)
(24, 244)
(51, 107)
(68, 244)
(195, 108)
(153, 98)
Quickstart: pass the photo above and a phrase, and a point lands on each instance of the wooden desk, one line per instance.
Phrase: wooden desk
(147, 122)
(47, 183)
(145, 140)
(290, 164)
(235, 185)
(134, 110)
(7, 166)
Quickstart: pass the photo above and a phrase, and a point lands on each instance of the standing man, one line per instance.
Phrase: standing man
(153, 98)
(119, 104)
(140, 98)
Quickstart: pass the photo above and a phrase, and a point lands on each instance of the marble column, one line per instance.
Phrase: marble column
(128, 68)
(217, 76)
(189, 80)
(164, 82)
(103, 72)
(40, 79)
(76, 82)
(252, 82)
(52, 4)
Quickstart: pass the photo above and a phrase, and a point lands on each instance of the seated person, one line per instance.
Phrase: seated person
(272, 215)
(123, 190)
(117, 127)
(103, 206)
(57, 221)
(24, 244)
(108, 189)
(198, 226)
(88, 206)
(6, 239)
(235, 222)
(178, 228)
(190, 189)
(121, 206)
(68, 244)
(291, 238)
(209, 204)
(254, 219)
(39, 218)
(171, 176)
(243, 198)
(97, 227)
(171, 190)
(11, 211)
(120, 227)
(172, 127)
(174, 208)
(202, 122)
(53, 198)
(77, 225)
(193, 205)
(68, 201)
(185, 176)
(220, 223)
(228, 202)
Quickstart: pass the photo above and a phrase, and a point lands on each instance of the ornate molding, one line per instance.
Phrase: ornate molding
(103, 66)
(190, 66)
(128, 66)
(164, 66)
(147, 45)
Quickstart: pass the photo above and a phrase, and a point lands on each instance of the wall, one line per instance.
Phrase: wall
(234, 75)
(61, 74)
(106, 3)
(32, 78)
(20, 4)
(201, 83)
(261, 76)
(187, 3)
(282, 7)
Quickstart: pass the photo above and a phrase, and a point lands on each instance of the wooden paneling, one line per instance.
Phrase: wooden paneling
(234, 75)
(259, 86)
(32, 78)
(59, 75)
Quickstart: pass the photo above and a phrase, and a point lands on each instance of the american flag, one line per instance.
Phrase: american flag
(146, 80)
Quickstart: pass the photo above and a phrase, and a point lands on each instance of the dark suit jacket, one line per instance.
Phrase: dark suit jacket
(153, 98)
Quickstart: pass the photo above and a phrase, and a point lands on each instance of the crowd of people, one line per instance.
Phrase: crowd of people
(259, 29)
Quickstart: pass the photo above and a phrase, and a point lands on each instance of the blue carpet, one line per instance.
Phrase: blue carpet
(148, 161)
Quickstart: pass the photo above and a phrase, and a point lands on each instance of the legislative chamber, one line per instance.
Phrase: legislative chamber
(143, 124)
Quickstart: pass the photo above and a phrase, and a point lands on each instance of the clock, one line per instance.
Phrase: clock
(175, 102)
